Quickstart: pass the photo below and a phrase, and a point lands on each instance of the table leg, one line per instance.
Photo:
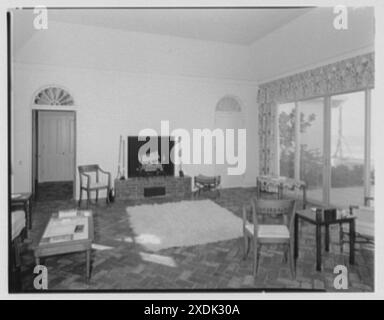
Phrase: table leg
(27, 218)
(280, 191)
(88, 263)
(296, 235)
(257, 189)
(318, 247)
(327, 237)
(30, 213)
(352, 236)
(304, 197)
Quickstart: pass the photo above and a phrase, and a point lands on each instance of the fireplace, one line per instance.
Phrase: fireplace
(150, 156)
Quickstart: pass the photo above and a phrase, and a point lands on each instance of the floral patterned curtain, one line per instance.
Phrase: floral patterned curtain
(352, 74)
(267, 131)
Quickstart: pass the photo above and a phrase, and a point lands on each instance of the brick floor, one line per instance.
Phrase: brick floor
(211, 266)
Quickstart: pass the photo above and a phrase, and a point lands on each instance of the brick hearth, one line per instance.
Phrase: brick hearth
(133, 188)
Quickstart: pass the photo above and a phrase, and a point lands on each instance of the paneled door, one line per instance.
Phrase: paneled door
(56, 150)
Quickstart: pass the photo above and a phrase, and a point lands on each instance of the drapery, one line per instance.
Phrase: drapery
(347, 75)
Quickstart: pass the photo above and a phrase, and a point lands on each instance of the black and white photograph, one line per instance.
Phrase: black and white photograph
(185, 149)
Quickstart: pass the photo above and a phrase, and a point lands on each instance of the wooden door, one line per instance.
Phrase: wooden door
(56, 150)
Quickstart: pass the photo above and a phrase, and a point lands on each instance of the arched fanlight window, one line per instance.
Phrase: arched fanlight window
(228, 104)
(54, 96)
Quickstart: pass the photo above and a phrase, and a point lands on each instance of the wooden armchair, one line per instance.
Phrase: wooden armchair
(88, 184)
(266, 233)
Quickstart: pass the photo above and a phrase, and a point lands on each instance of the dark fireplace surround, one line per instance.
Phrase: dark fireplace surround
(160, 145)
(153, 180)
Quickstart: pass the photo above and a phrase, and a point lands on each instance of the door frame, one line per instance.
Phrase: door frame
(35, 139)
(228, 115)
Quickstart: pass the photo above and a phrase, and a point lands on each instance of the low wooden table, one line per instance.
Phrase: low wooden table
(67, 232)
(318, 221)
(24, 200)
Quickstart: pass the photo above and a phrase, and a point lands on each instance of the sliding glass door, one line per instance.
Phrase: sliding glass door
(326, 142)
(347, 149)
(311, 146)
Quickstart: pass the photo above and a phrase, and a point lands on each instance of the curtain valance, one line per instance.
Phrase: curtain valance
(347, 75)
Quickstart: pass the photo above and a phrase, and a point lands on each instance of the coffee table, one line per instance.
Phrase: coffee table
(318, 220)
(67, 232)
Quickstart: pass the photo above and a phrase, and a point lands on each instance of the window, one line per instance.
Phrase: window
(54, 96)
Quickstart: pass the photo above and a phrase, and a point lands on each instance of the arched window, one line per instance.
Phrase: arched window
(53, 96)
(228, 104)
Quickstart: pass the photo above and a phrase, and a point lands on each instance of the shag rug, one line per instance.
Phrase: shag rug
(182, 224)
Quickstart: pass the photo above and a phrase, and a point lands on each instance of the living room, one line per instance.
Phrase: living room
(88, 82)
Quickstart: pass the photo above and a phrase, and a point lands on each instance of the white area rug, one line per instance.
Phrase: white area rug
(185, 223)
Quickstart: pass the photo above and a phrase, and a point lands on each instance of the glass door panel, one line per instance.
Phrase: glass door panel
(347, 149)
(311, 146)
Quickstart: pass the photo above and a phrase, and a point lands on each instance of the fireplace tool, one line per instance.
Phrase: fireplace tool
(119, 174)
(123, 176)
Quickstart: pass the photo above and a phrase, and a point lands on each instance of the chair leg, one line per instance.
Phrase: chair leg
(256, 258)
(341, 237)
(291, 261)
(285, 256)
(97, 195)
(107, 198)
(80, 197)
(17, 249)
(88, 198)
(246, 246)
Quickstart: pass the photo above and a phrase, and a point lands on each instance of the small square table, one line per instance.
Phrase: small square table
(67, 232)
(318, 220)
(23, 199)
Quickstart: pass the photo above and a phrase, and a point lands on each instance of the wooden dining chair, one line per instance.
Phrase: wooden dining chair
(90, 181)
(260, 228)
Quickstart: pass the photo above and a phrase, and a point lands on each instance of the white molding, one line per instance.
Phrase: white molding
(157, 76)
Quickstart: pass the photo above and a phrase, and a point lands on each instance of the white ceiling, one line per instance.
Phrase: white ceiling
(237, 26)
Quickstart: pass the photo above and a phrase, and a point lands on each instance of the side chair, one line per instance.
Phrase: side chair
(260, 228)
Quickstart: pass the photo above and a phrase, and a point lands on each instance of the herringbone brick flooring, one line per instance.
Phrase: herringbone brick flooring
(214, 266)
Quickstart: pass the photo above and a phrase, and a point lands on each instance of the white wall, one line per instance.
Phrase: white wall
(110, 103)
(81, 46)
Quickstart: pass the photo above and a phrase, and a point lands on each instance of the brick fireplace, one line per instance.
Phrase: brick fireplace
(137, 188)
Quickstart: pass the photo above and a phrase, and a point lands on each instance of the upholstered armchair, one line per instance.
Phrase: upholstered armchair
(90, 181)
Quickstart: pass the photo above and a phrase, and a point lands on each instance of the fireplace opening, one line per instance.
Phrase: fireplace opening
(154, 191)
(156, 161)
